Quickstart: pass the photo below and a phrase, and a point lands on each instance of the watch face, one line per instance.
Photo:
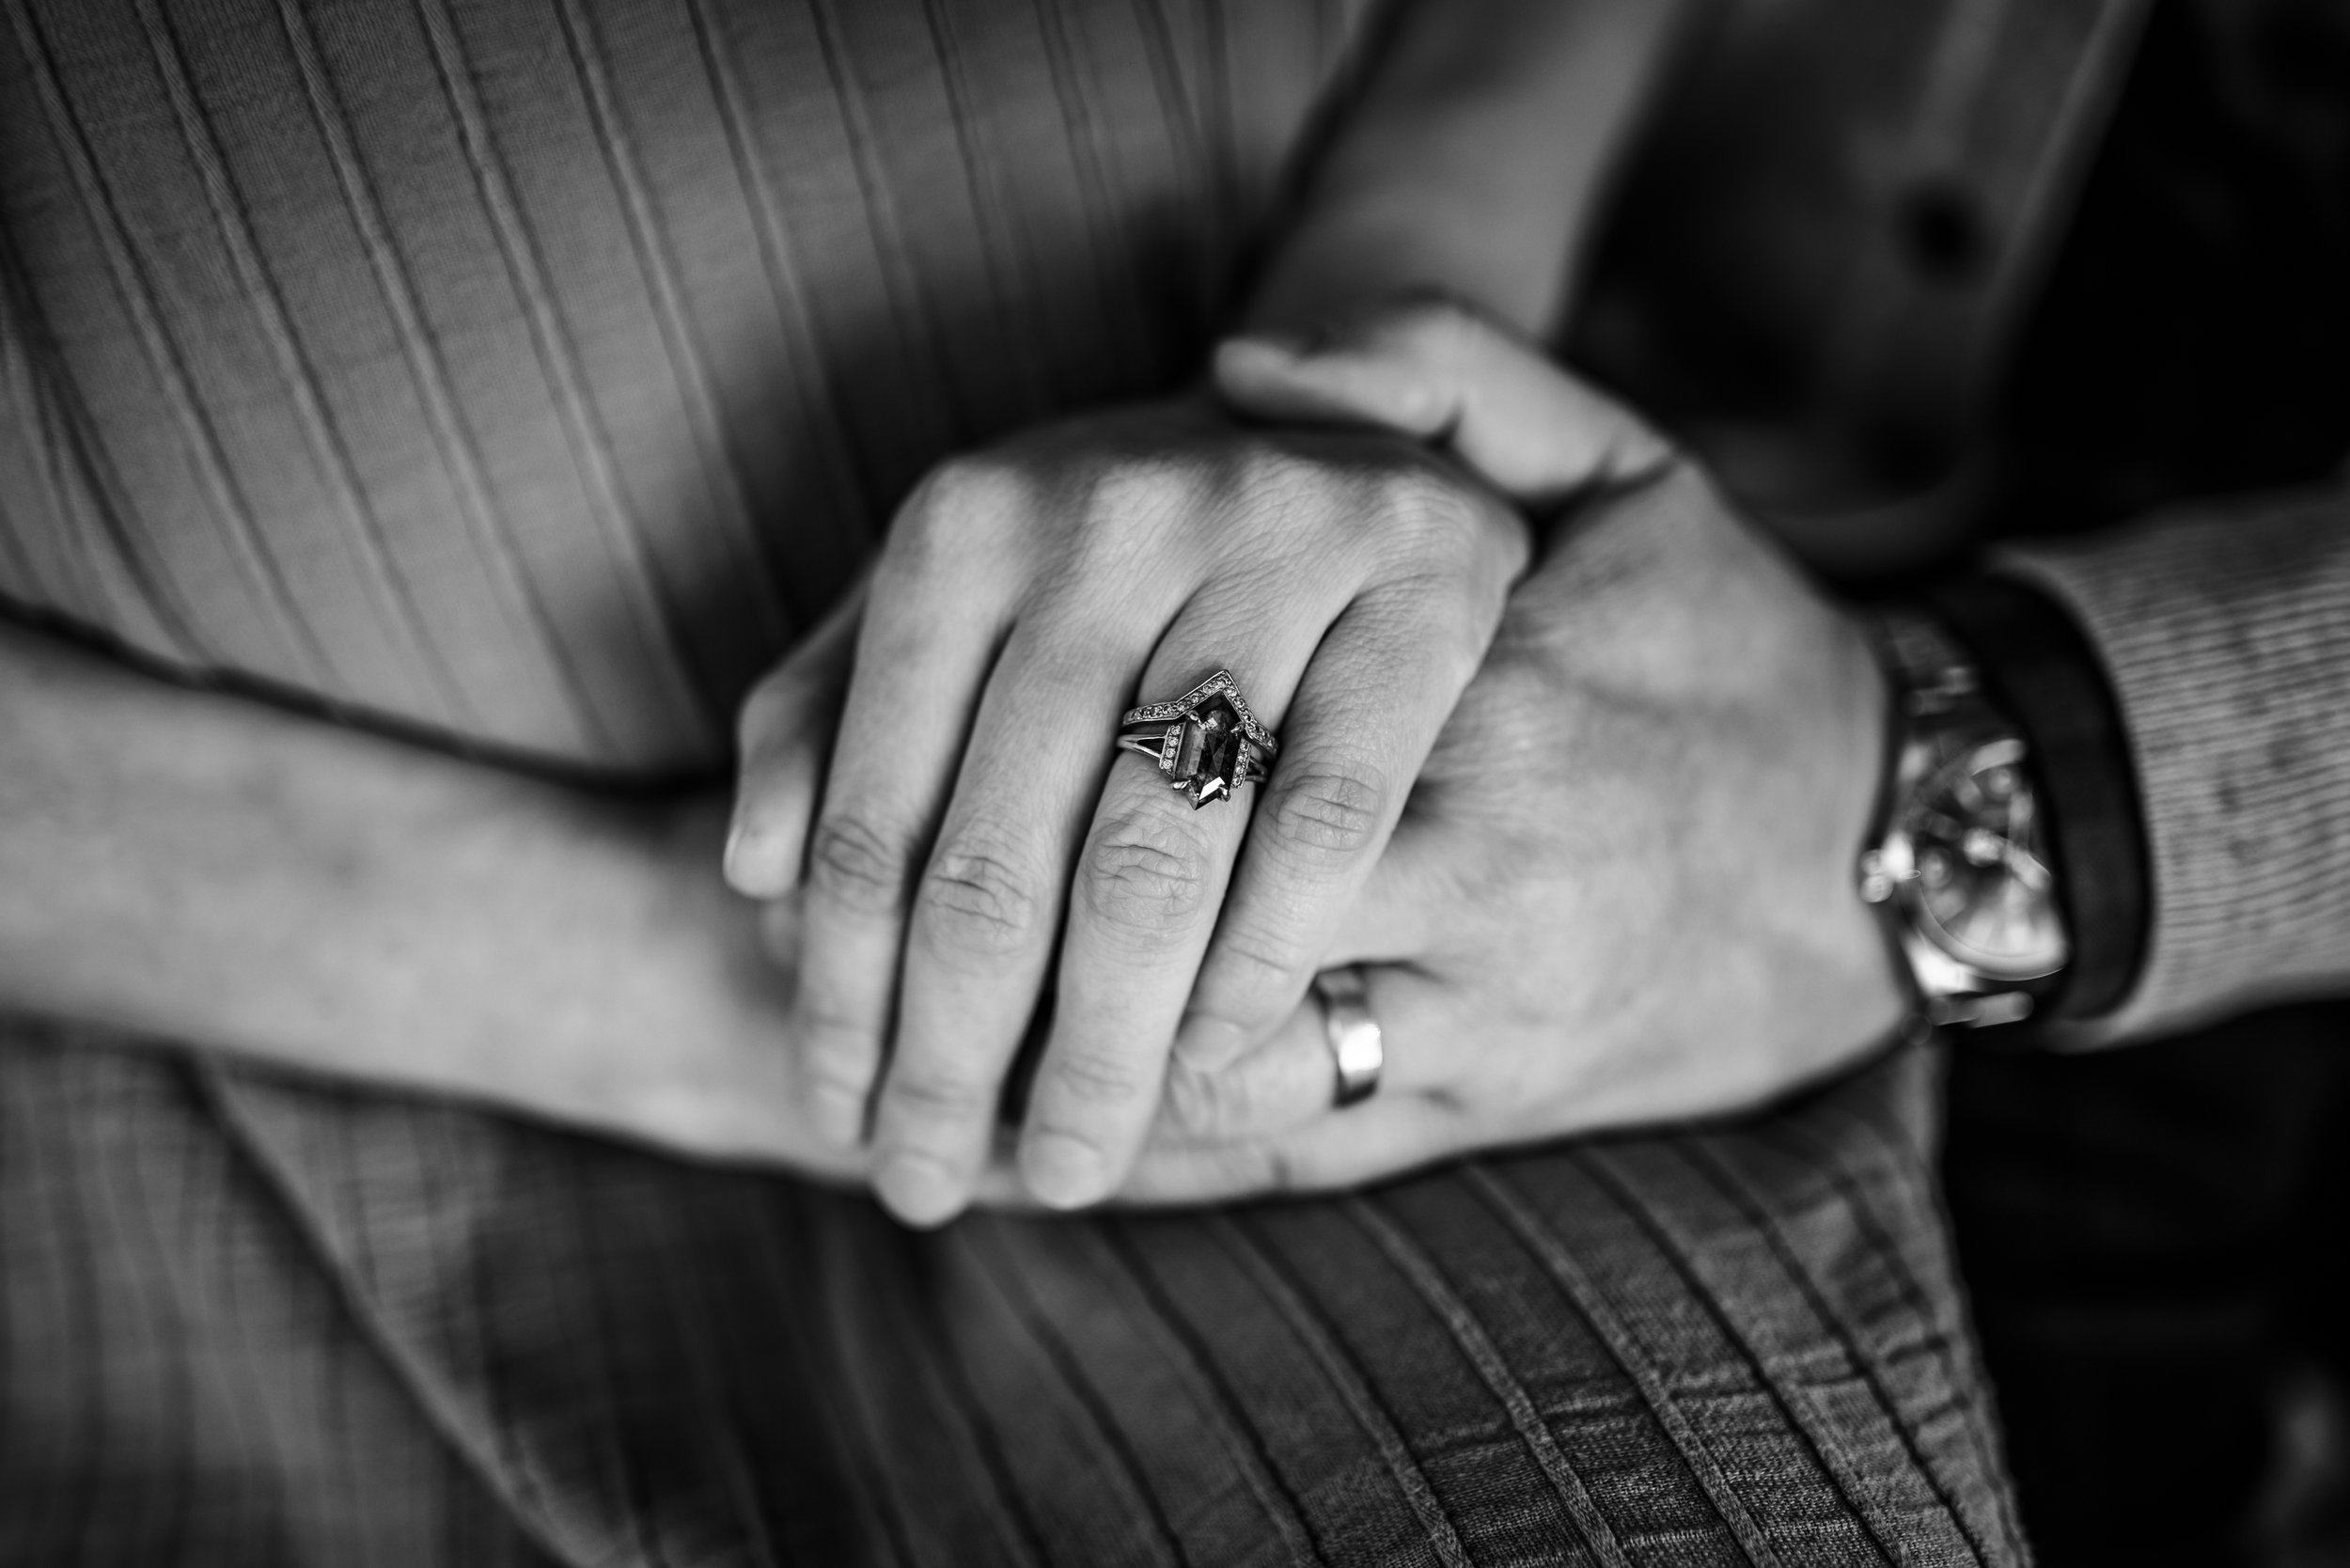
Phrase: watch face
(1978, 875)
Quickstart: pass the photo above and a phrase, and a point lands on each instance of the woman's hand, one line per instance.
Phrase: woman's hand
(973, 823)
(1623, 890)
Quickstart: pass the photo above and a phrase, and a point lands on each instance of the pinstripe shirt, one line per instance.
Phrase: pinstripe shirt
(527, 374)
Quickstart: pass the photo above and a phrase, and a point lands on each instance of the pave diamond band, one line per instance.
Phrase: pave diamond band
(1219, 684)
(1206, 742)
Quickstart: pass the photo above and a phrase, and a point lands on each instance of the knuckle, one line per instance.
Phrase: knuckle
(1271, 473)
(1205, 1103)
(1254, 962)
(976, 898)
(937, 1093)
(1132, 508)
(1329, 810)
(961, 507)
(1147, 874)
(1144, 484)
(1426, 508)
(838, 1075)
(855, 863)
(964, 490)
(1090, 1079)
(837, 1040)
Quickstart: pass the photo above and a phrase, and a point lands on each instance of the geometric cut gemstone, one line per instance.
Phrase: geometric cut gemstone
(1208, 759)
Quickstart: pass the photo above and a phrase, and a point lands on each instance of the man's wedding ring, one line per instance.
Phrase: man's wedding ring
(1356, 1047)
(1206, 742)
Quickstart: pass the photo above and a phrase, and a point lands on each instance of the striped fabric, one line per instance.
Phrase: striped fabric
(249, 1321)
(529, 370)
(525, 372)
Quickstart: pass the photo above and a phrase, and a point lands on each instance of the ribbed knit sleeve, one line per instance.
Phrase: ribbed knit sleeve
(530, 374)
(2226, 632)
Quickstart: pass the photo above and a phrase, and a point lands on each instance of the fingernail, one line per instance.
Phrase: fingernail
(1064, 1172)
(731, 857)
(918, 1190)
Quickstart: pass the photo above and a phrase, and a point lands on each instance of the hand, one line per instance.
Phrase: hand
(1622, 889)
(656, 1001)
(197, 866)
(975, 818)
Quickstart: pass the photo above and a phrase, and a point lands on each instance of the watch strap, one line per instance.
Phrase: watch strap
(1936, 686)
(2038, 668)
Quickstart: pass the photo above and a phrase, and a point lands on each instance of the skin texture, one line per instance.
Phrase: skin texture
(243, 877)
(1619, 889)
(976, 832)
(1622, 889)
(955, 801)
(201, 868)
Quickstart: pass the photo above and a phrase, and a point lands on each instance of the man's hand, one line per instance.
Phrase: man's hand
(970, 827)
(1622, 889)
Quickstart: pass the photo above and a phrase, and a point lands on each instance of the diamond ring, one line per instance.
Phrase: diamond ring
(1206, 742)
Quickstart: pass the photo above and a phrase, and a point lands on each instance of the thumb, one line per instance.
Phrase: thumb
(785, 738)
(1441, 373)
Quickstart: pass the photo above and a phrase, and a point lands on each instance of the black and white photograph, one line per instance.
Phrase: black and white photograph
(1174, 783)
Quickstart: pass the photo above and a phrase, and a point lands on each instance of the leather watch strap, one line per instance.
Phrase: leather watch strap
(2037, 668)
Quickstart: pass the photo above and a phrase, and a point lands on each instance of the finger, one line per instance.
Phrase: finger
(939, 604)
(1291, 1078)
(785, 738)
(1400, 912)
(779, 921)
(1366, 714)
(1270, 1123)
(988, 908)
(1334, 1149)
(1147, 883)
(1438, 372)
(1285, 1081)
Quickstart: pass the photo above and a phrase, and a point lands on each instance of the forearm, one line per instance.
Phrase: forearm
(2226, 641)
(208, 870)
(1473, 163)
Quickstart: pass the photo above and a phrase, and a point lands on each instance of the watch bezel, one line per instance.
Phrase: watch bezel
(1941, 720)
(1931, 756)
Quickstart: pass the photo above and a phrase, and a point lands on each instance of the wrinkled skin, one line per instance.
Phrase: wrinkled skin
(1623, 890)
(972, 831)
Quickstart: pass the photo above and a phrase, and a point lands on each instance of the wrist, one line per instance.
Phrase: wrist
(1875, 977)
(2037, 666)
(1958, 862)
(649, 1004)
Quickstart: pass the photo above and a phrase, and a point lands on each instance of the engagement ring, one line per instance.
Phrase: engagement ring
(1206, 742)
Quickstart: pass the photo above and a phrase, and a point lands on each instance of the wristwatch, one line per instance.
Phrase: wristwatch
(1958, 864)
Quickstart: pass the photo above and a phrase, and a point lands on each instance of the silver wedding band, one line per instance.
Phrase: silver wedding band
(1357, 1049)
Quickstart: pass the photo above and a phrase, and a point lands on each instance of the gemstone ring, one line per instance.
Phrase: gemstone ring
(1206, 742)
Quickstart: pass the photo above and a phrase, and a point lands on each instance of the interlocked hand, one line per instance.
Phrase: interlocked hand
(1621, 891)
(972, 822)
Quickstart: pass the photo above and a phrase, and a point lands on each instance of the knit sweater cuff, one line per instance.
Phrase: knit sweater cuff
(2226, 633)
